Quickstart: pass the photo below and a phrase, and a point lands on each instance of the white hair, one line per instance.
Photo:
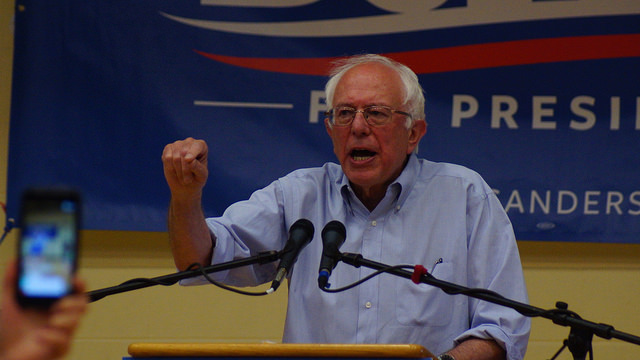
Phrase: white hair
(413, 92)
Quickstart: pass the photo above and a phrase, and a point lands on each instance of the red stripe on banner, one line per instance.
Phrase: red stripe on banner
(467, 57)
(302, 66)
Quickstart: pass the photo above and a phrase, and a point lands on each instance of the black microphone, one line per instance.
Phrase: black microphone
(333, 236)
(300, 234)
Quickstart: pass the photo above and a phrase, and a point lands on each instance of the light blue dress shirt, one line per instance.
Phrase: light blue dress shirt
(432, 211)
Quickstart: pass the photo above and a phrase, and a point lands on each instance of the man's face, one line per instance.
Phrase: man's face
(372, 157)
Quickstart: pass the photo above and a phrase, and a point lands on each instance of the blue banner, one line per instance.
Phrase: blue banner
(541, 97)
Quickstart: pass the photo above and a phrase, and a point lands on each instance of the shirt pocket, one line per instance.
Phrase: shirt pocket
(423, 304)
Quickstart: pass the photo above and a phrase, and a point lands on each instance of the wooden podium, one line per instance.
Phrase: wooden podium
(164, 351)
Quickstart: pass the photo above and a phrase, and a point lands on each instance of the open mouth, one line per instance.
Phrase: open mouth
(361, 154)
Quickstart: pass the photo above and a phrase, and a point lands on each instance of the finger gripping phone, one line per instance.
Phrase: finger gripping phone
(48, 245)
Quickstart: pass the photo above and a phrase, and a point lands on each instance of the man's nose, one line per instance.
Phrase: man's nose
(360, 124)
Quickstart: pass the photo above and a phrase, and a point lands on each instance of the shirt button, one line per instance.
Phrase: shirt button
(374, 223)
(368, 305)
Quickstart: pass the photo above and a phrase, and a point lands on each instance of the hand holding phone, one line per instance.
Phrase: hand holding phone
(48, 246)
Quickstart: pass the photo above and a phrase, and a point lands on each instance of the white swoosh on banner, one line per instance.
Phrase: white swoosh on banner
(421, 17)
(257, 3)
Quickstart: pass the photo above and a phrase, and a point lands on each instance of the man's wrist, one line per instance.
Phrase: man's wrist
(446, 357)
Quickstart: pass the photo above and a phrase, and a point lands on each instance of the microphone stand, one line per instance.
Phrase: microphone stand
(582, 331)
(134, 284)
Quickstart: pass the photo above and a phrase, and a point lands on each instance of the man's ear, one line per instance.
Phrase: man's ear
(416, 133)
(328, 127)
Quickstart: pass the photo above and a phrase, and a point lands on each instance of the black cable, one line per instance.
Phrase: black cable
(471, 291)
(198, 267)
(8, 225)
(367, 278)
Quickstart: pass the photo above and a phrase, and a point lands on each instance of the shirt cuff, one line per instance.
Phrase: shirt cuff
(495, 333)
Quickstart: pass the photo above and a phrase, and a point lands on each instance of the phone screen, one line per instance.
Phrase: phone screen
(48, 246)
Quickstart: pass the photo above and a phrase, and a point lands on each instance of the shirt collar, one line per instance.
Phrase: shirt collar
(407, 179)
(401, 186)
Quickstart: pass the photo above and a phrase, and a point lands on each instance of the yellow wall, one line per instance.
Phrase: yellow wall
(600, 281)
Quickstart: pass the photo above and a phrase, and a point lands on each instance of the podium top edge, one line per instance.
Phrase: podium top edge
(142, 350)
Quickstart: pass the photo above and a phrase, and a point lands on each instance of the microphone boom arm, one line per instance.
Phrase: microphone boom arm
(134, 284)
(559, 316)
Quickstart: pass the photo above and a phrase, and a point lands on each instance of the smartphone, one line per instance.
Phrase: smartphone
(48, 245)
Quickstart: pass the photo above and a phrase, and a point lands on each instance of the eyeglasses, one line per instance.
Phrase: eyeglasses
(375, 115)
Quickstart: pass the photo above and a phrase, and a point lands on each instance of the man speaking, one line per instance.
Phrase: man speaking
(396, 209)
